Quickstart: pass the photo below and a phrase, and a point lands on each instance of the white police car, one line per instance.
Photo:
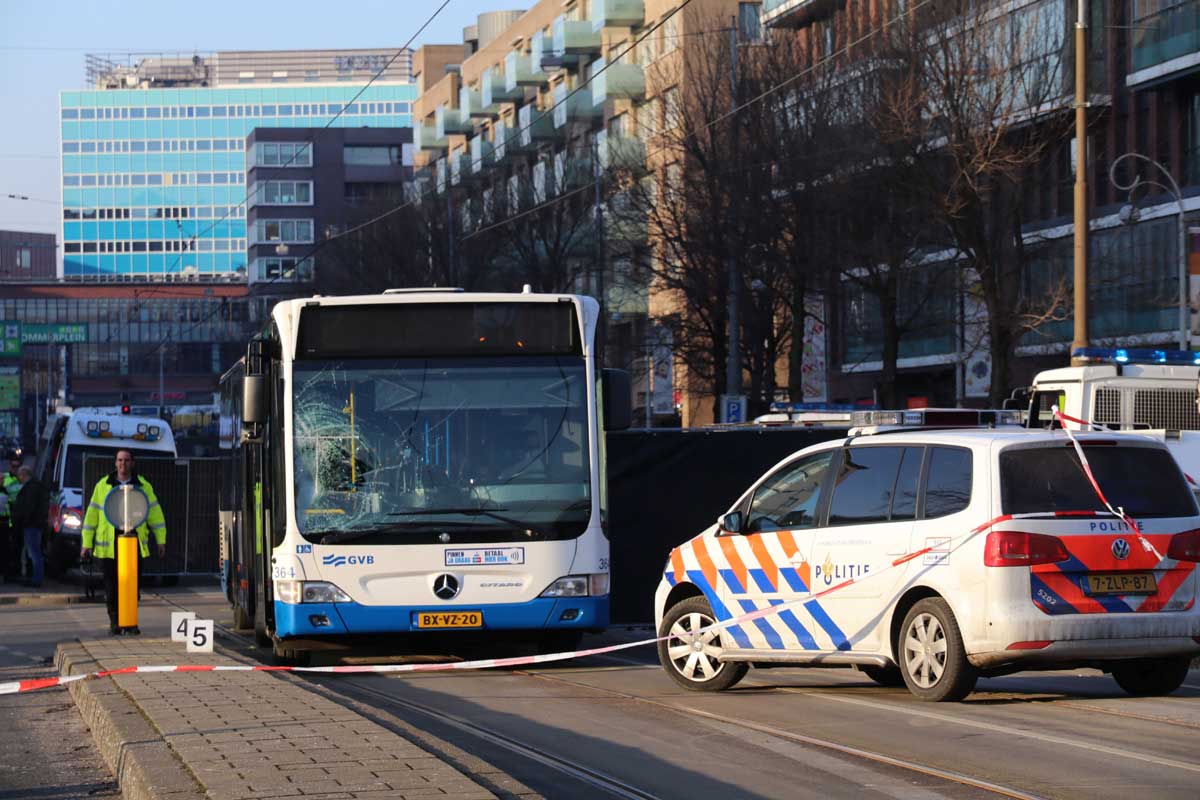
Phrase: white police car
(931, 557)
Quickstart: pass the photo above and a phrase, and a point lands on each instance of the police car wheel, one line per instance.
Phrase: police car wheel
(932, 659)
(691, 659)
(1145, 677)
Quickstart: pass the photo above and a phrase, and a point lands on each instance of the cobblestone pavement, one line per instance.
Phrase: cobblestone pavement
(258, 735)
(46, 750)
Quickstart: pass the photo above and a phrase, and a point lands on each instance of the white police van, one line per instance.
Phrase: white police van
(928, 558)
(92, 432)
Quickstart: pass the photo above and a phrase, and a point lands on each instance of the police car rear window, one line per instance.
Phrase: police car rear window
(1144, 481)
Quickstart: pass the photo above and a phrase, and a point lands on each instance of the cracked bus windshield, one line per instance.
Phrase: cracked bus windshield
(414, 451)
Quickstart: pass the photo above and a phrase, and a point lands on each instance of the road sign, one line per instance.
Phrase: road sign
(10, 338)
(733, 408)
(54, 333)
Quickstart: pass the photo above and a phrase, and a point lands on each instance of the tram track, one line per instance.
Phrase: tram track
(618, 788)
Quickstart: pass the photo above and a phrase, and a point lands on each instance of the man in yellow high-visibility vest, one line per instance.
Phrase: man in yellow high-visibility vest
(100, 537)
(10, 538)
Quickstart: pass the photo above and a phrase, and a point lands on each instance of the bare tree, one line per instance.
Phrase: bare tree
(975, 104)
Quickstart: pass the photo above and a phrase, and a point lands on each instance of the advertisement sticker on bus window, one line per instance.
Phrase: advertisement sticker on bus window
(485, 556)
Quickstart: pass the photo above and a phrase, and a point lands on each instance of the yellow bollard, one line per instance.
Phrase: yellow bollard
(127, 581)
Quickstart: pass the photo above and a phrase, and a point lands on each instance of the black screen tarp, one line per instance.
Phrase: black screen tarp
(667, 485)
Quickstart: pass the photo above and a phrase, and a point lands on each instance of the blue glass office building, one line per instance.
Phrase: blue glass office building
(144, 170)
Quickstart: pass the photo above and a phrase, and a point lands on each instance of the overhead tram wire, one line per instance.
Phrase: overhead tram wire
(532, 122)
(403, 49)
(759, 98)
(228, 213)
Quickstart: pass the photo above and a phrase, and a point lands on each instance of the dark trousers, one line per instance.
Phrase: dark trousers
(108, 567)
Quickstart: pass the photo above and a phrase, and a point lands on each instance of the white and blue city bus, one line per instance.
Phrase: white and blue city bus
(417, 461)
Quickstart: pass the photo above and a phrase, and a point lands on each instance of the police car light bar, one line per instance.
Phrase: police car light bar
(1135, 355)
(936, 417)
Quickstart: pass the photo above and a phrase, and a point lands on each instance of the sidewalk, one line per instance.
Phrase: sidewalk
(50, 593)
(235, 735)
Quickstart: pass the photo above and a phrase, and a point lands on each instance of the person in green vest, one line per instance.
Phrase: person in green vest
(10, 538)
(100, 536)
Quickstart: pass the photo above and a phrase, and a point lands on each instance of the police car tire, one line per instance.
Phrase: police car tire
(888, 676)
(1145, 677)
(958, 677)
(725, 674)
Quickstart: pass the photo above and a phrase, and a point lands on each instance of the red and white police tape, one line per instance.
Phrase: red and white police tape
(943, 545)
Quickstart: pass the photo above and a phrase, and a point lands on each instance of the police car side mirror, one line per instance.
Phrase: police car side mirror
(254, 399)
(731, 522)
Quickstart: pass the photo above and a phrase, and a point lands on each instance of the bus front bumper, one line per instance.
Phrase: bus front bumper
(542, 614)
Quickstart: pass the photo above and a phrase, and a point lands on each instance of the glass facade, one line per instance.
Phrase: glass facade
(146, 170)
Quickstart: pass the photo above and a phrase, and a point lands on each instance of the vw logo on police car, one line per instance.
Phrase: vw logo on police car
(446, 586)
(1120, 549)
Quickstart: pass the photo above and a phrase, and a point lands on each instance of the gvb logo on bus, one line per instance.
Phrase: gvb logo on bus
(342, 561)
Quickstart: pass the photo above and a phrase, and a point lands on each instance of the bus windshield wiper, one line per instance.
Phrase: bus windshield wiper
(350, 534)
(474, 511)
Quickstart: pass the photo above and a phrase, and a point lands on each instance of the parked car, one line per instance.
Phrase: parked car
(946, 555)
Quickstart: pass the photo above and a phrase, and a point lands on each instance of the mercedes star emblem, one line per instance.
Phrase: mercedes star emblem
(446, 586)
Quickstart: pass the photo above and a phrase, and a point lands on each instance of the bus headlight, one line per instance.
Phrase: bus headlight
(293, 592)
(578, 586)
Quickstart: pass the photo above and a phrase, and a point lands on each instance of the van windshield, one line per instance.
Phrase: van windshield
(73, 472)
(1144, 481)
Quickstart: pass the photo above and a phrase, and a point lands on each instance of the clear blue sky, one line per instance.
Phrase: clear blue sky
(42, 44)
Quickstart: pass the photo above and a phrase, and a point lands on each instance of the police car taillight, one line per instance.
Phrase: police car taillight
(1019, 549)
(1185, 546)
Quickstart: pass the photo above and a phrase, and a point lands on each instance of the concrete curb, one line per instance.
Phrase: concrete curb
(145, 766)
(44, 600)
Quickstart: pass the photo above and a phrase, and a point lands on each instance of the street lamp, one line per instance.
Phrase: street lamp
(1129, 214)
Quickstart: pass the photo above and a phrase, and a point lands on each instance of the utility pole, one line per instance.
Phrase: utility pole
(161, 400)
(450, 254)
(733, 365)
(601, 254)
(1081, 197)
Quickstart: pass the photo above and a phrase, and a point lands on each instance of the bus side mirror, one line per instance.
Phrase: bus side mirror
(254, 399)
(618, 406)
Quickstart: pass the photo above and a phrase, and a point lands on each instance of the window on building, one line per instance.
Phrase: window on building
(373, 156)
(298, 231)
(24, 258)
(285, 193)
(283, 154)
(749, 22)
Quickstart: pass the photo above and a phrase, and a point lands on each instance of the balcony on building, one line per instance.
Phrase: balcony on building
(521, 70)
(572, 169)
(543, 181)
(442, 174)
(546, 58)
(470, 105)
(482, 155)
(624, 222)
(792, 13)
(493, 89)
(626, 153)
(617, 14)
(1164, 41)
(617, 81)
(460, 167)
(535, 126)
(575, 37)
(419, 186)
(451, 122)
(573, 105)
(426, 139)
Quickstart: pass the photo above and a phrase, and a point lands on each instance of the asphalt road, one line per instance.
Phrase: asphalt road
(618, 727)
